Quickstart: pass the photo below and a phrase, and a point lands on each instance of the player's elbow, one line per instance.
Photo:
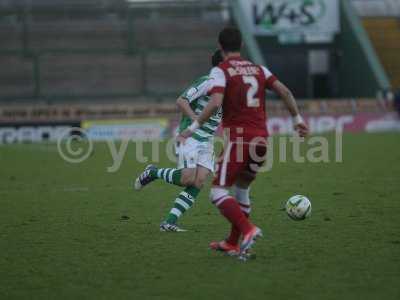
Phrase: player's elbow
(282, 90)
(218, 100)
(287, 93)
(179, 102)
(218, 104)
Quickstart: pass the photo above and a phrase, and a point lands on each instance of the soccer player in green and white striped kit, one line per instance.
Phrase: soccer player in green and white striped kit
(195, 155)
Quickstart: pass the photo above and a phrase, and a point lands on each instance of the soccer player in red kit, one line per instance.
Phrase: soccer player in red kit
(240, 87)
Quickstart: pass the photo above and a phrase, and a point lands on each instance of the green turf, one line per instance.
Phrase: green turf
(77, 231)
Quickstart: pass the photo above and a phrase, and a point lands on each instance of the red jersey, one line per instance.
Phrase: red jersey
(243, 85)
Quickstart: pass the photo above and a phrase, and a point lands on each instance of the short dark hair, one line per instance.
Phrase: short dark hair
(217, 58)
(230, 39)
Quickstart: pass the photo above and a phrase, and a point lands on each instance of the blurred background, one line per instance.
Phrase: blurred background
(71, 62)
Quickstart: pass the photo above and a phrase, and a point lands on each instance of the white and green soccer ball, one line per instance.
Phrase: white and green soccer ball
(298, 207)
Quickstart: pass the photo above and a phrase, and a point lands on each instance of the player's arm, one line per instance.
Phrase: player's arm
(185, 108)
(216, 92)
(198, 89)
(212, 106)
(286, 95)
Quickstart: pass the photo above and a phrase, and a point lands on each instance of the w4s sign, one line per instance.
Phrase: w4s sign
(272, 17)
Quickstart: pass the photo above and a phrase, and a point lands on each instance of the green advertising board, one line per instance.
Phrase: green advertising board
(308, 17)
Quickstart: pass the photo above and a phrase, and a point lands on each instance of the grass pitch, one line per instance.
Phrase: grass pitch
(77, 231)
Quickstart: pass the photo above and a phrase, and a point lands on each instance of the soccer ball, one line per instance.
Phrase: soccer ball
(298, 207)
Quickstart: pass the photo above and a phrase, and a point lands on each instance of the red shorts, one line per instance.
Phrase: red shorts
(239, 157)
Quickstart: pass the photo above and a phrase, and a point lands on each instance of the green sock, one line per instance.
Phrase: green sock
(169, 175)
(183, 203)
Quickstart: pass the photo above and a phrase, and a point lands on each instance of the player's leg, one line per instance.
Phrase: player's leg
(204, 158)
(241, 190)
(228, 170)
(234, 213)
(256, 157)
(183, 201)
(179, 177)
(186, 199)
(183, 175)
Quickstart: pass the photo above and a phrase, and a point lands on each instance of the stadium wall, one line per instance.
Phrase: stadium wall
(72, 52)
(38, 123)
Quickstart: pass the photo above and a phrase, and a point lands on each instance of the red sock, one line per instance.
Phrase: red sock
(230, 209)
(234, 236)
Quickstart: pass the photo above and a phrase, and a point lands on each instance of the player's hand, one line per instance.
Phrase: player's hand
(180, 139)
(300, 126)
(302, 129)
(186, 133)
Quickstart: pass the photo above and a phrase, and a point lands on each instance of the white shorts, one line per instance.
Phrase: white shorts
(194, 153)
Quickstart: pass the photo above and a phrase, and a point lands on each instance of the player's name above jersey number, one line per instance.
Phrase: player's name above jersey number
(246, 71)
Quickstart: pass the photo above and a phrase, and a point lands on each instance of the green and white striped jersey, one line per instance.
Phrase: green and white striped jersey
(197, 97)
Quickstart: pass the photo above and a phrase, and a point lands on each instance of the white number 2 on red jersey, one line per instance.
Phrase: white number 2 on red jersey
(252, 101)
